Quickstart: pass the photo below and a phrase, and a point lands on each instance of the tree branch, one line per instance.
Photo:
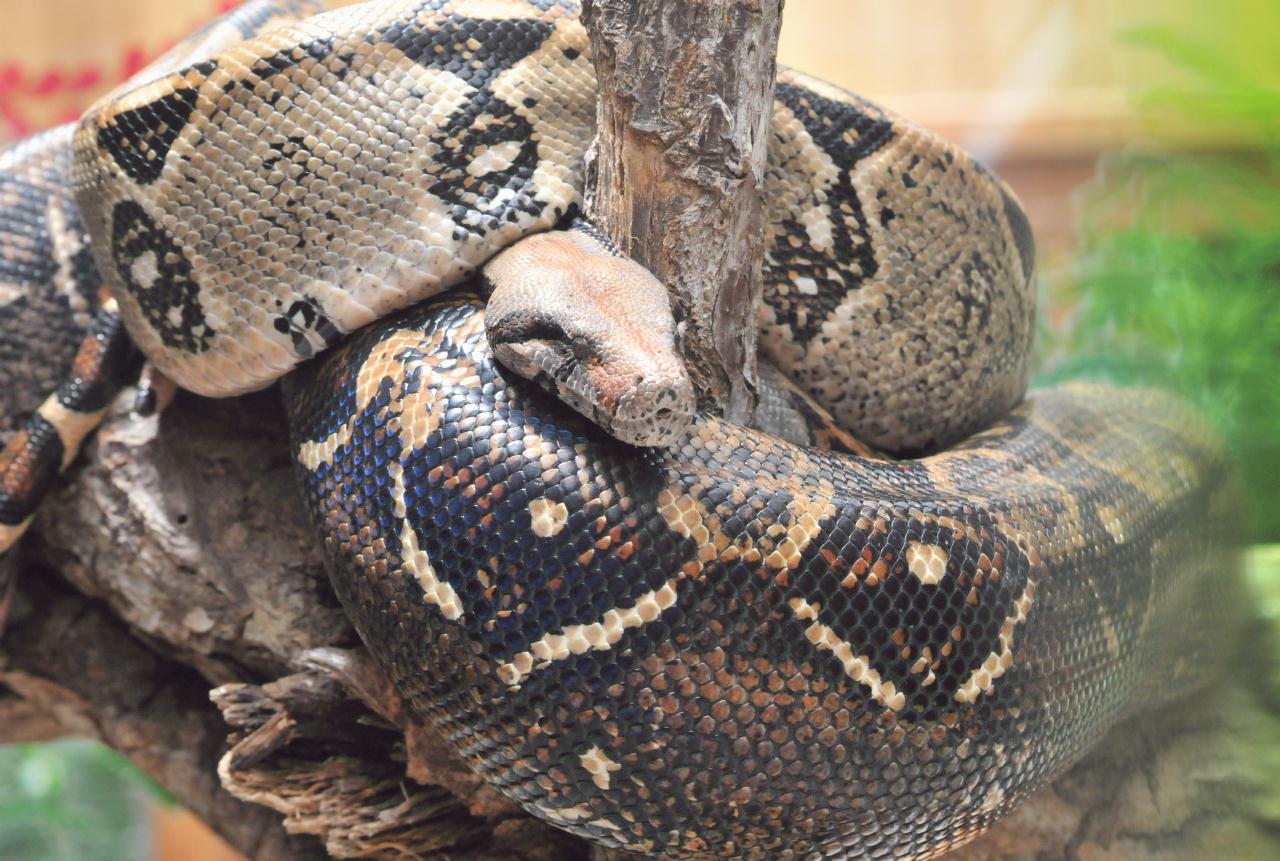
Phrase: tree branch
(686, 94)
(77, 664)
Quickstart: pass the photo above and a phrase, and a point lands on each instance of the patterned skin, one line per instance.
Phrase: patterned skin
(63, 346)
(736, 647)
(64, 349)
(728, 647)
(330, 171)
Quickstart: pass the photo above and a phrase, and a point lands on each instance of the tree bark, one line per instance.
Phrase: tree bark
(676, 175)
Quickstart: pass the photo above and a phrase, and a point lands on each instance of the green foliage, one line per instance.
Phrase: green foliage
(1260, 735)
(1177, 280)
(71, 800)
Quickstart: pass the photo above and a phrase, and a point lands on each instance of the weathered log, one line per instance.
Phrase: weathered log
(69, 657)
(677, 172)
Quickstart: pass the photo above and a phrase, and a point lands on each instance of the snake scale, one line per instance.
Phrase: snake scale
(729, 645)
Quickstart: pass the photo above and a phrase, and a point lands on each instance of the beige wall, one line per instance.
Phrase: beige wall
(1043, 76)
(55, 55)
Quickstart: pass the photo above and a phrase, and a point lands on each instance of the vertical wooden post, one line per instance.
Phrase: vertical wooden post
(686, 95)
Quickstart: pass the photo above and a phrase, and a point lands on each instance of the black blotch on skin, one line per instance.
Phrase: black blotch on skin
(139, 140)
(503, 43)
(848, 133)
(114, 362)
(302, 319)
(134, 234)
(522, 327)
(1021, 229)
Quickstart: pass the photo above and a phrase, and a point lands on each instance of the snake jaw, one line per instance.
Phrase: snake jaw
(596, 330)
(638, 397)
(656, 412)
(553, 367)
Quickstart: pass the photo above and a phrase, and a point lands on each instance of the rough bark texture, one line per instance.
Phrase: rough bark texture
(678, 168)
(71, 658)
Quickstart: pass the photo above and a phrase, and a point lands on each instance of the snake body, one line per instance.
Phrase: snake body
(307, 181)
(737, 647)
(63, 348)
(733, 646)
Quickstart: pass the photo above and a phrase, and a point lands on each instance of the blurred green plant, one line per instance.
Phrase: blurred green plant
(72, 801)
(1177, 279)
(1262, 576)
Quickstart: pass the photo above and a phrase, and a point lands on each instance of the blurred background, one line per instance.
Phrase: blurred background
(1143, 137)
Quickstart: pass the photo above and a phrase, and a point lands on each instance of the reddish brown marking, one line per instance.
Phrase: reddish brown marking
(88, 359)
(15, 466)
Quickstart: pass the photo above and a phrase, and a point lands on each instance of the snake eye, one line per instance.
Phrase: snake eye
(522, 327)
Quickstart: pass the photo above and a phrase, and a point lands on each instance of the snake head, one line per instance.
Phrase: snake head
(593, 328)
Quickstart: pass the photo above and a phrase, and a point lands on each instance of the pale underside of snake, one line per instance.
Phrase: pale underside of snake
(727, 645)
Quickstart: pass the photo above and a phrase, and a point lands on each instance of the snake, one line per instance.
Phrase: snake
(868, 626)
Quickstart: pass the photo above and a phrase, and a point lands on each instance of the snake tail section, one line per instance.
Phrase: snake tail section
(65, 352)
(741, 648)
(50, 439)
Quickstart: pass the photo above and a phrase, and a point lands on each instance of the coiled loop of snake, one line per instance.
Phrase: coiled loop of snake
(736, 647)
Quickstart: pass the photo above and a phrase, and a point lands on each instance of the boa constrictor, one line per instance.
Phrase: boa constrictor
(729, 646)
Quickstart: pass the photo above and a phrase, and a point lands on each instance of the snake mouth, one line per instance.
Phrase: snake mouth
(652, 410)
